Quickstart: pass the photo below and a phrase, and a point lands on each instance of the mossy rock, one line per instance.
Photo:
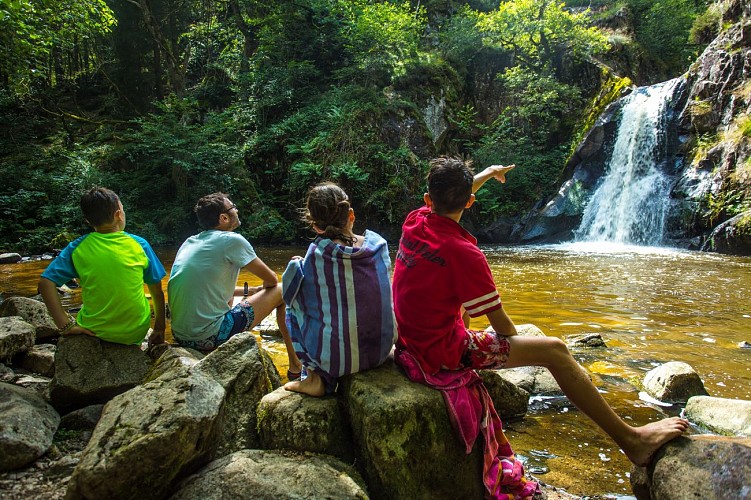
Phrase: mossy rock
(405, 443)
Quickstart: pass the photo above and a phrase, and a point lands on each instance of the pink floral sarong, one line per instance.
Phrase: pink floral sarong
(471, 411)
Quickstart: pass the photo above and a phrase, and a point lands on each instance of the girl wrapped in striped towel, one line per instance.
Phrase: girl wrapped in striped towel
(339, 306)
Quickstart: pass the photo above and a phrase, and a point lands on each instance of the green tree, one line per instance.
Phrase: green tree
(541, 33)
(45, 42)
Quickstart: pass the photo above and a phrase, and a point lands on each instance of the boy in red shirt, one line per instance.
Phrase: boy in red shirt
(442, 279)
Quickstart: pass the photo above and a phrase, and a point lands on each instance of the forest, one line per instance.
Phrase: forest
(164, 101)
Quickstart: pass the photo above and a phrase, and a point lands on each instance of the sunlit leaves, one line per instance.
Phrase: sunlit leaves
(540, 31)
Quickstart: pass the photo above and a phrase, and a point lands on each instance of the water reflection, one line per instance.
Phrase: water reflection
(651, 305)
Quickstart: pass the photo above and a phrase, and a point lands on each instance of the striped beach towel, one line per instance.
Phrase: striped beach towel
(339, 307)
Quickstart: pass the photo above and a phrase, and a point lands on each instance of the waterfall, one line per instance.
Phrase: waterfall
(630, 204)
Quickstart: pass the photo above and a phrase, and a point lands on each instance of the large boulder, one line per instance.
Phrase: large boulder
(292, 421)
(270, 475)
(10, 258)
(404, 441)
(731, 417)
(706, 467)
(83, 419)
(33, 312)
(27, 425)
(240, 366)
(90, 371)
(16, 336)
(673, 382)
(150, 438)
(510, 400)
(39, 359)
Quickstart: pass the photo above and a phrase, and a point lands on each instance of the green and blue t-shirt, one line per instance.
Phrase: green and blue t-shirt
(111, 268)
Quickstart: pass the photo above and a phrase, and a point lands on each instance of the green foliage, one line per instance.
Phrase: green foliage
(42, 41)
(540, 33)
(169, 160)
(662, 30)
(707, 25)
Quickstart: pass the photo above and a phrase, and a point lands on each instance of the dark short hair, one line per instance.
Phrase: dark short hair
(209, 208)
(450, 183)
(327, 207)
(99, 205)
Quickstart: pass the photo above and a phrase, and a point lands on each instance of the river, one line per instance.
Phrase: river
(651, 305)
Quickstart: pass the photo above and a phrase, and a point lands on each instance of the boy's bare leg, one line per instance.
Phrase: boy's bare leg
(639, 443)
(263, 303)
(312, 385)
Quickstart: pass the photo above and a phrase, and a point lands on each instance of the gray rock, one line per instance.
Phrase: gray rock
(90, 371)
(37, 383)
(33, 312)
(404, 441)
(269, 475)
(744, 345)
(10, 258)
(82, 419)
(674, 382)
(292, 421)
(6, 374)
(706, 467)
(510, 401)
(585, 340)
(27, 425)
(529, 330)
(16, 336)
(150, 438)
(731, 417)
(39, 359)
(172, 358)
(247, 376)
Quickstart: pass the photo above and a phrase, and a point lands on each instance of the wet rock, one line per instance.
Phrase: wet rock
(292, 421)
(744, 345)
(82, 419)
(270, 475)
(16, 336)
(731, 237)
(400, 426)
(39, 359)
(90, 371)
(706, 467)
(10, 258)
(585, 340)
(673, 382)
(730, 417)
(27, 425)
(33, 312)
(151, 437)
(247, 376)
(510, 400)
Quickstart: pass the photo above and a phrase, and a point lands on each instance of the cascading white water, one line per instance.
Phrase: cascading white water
(631, 203)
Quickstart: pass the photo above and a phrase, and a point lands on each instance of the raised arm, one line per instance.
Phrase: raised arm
(494, 171)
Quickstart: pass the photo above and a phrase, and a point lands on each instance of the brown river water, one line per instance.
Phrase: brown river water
(651, 306)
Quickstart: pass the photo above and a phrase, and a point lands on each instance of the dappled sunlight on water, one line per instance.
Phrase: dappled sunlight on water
(651, 306)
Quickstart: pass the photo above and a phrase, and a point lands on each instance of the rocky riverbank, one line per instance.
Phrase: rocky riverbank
(81, 418)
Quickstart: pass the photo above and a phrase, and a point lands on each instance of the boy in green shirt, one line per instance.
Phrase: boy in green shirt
(111, 266)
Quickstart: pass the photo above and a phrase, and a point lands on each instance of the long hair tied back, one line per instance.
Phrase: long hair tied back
(327, 210)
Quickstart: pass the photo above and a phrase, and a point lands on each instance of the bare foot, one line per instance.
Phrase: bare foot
(649, 438)
(312, 385)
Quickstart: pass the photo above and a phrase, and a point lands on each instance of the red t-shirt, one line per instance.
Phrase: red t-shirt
(439, 269)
